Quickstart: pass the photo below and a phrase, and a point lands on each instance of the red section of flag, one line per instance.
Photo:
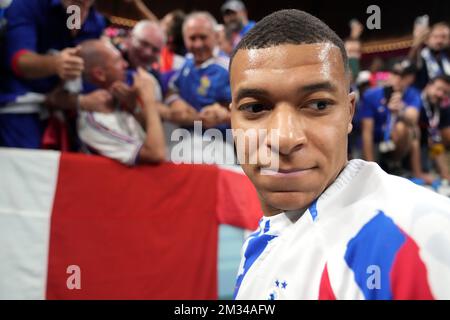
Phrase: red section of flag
(142, 233)
(237, 203)
(148, 232)
(325, 290)
(409, 279)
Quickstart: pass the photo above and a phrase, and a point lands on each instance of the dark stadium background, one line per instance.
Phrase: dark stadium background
(397, 17)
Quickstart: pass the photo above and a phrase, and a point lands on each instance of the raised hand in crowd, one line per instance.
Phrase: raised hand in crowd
(126, 95)
(97, 101)
(154, 147)
(356, 29)
(143, 85)
(396, 103)
(68, 64)
(183, 114)
(420, 32)
(214, 115)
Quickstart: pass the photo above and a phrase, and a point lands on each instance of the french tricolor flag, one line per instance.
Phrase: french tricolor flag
(82, 227)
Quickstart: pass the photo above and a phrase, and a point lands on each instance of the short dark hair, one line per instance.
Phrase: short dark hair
(403, 68)
(441, 24)
(443, 77)
(289, 26)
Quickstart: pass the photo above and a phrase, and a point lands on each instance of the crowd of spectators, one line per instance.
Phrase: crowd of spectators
(112, 91)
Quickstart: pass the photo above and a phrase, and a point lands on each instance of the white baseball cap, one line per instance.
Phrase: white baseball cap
(232, 5)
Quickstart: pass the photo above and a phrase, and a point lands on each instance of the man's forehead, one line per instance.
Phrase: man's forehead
(439, 29)
(287, 56)
(293, 64)
(152, 33)
(199, 22)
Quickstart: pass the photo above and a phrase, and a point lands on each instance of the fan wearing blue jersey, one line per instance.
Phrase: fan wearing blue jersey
(200, 91)
(332, 228)
(40, 52)
(389, 118)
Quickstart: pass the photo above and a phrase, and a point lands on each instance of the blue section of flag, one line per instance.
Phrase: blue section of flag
(371, 253)
(257, 242)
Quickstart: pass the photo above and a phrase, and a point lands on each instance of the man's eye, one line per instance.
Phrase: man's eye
(253, 107)
(319, 105)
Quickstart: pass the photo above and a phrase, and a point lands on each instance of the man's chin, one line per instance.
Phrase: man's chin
(288, 201)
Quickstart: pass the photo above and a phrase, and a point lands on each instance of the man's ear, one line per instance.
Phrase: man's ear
(98, 74)
(351, 110)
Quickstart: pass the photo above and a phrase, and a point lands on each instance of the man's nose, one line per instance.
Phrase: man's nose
(148, 51)
(291, 135)
(197, 43)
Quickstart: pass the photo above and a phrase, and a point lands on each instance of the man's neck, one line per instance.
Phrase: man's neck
(295, 215)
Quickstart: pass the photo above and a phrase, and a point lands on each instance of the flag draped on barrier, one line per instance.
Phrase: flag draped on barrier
(148, 232)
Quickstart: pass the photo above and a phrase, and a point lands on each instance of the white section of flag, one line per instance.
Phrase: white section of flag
(27, 182)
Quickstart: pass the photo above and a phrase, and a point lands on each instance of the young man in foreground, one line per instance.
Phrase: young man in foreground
(332, 228)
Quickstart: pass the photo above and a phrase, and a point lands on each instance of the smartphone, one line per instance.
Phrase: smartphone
(388, 91)
(422, 21)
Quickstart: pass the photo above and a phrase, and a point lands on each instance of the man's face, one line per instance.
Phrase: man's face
(303, 91)
(400, 82)
(230, 16)
(115, 66)
(438, 91)
(199, 39)
(439, 38)
(145, 48)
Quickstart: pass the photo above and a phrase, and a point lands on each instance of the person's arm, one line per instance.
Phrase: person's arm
(214, 115)
(65, 64)
(182, 113)
(420, 34)
(411, 115)
(413, 105)
(218, 112)
(445, 134)
(442, 166)
(154, 146)
(367, 113)
(356, 29)
(143, 10)
(416, 162)
(96, 101)
(164, 111)
(23, 36)
(367, 139)
(31, 65)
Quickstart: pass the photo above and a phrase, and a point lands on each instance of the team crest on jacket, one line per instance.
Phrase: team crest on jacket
(205, 83)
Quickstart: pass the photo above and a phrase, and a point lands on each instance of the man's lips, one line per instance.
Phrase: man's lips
(286, 172)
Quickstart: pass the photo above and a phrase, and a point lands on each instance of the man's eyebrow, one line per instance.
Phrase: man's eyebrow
(309, 88)
(251, 92)
(319, 86)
